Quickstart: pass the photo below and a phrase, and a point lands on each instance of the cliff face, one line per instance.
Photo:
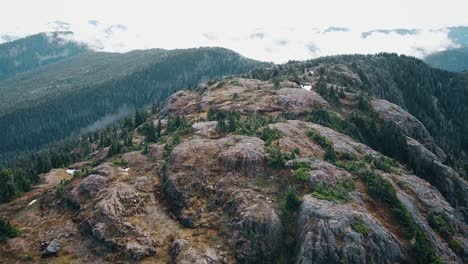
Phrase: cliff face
(257, 171)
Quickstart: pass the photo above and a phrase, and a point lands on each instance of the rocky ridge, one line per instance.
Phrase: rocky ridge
(249, 177)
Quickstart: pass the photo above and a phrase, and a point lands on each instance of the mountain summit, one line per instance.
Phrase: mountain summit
(347, 159)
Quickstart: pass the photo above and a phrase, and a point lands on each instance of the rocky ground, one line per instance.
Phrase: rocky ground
(219, 197)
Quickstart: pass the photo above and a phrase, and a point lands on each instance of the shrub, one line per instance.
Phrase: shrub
(269, 135)
(456, 246)
(439, 224)
(293, 201)
(324, 143)
(422, 250)
(352, 166)
(302, 174)
(338, 193)
(277, 158)
(6, 230)
(60, 188)
(120, 162)
(383, 163)
(359, 226)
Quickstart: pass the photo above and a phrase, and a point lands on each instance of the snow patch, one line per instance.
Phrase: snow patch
(71, 172)
(306, 87)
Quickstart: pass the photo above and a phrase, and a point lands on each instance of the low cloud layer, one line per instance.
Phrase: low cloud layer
(266, 44)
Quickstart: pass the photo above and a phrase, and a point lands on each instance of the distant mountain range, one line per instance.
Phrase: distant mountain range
(452, 60)
(37, 50)
(81, 90)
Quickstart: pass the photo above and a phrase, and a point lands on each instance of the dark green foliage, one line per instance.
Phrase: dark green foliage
(331, 119)
(177, 124)
(383, 136)
(115, 148)
(269, 135)
(149, 132)
(292, 200)
(352, 166)
(322, 86)
(330, 154)
(253, 124)
(381, 163)
(456, 246)
(140, 118)
(359, 226)
(422, 249)
(6, 230)
(60, 188)
(338, 193)
(13, 182)
(302, 174)
(277, 158)
(382, 190)
(439, 224)
(301, 170)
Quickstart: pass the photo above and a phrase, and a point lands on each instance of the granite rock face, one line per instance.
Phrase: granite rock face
(326, 235)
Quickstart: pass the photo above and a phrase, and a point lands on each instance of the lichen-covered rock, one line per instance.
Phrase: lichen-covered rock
(181, 103)
(258, 233)
(294, 135)
(299, 101)
(118, 200)
(326, 235)
(196, 164)
(206, 129)
(135, 160)
(141, 249)
(445, 179)
(409, 125)
(322, 172)
(247, 155)
(156, 151)
(183, 253)
(91, 185)
(101, 156)
(52, 248)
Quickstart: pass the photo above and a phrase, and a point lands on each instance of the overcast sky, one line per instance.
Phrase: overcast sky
(267, 30)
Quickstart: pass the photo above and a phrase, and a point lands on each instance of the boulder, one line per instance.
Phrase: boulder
(138, 250)
(101, 156)
(183, 253)
(52, 249)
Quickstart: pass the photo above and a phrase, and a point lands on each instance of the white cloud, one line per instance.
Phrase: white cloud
(267, 30)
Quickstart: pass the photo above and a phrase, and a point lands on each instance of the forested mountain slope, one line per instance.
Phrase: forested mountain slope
(92, 89)
(34, 51)
(451, 60)
(322, 161)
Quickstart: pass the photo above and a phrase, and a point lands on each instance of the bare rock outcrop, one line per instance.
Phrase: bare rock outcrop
(183, 253)
(322, 172)
(198, 163)
(445, 179)
(258, 229)
(181, 103)
(326, 235)
(409, 125)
